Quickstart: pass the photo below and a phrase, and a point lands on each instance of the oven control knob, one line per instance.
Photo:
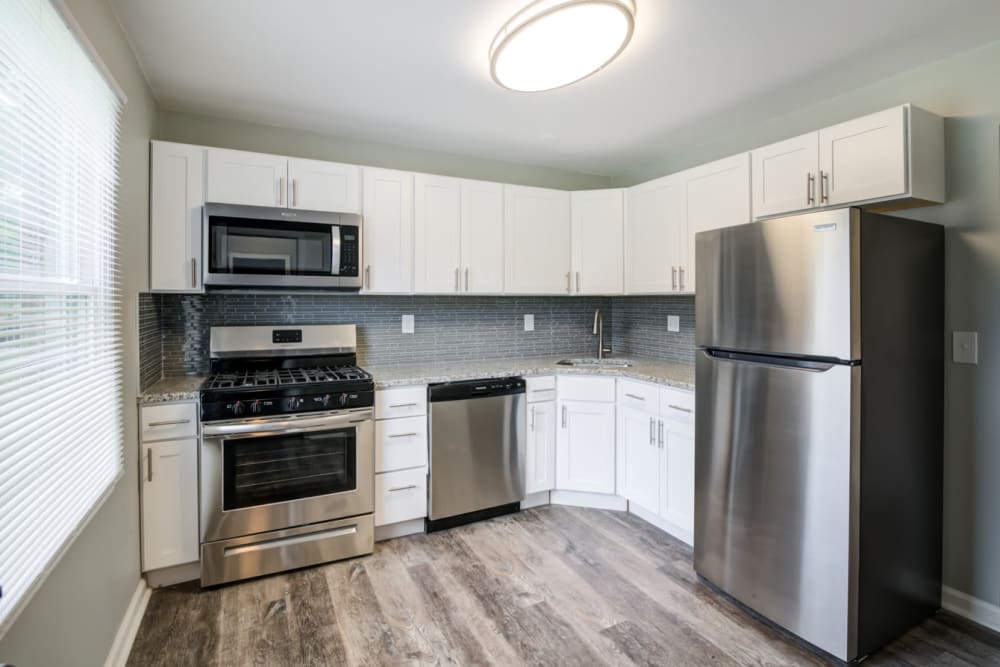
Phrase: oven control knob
(343, 399)
(255, 407)
(325, 400)
(238, 408)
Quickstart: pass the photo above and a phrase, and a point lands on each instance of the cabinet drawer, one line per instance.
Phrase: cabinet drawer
(639, 395)
(401, 402)
(169, 421)
(677, 405)
(600, 389)
(541, 388)
(400, 443)
(400, 496)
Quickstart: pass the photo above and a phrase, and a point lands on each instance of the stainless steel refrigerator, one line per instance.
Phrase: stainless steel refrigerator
(820, 423)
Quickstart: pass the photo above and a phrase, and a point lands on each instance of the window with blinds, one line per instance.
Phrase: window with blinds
(60, 324)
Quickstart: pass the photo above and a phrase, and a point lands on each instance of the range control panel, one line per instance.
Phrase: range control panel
(264, 406)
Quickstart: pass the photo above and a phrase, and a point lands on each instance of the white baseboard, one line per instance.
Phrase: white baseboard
(399, 529)
(535, 500)
(601, 501)
(666, 526)
(122, 645)
(176, 574)
(972, 608)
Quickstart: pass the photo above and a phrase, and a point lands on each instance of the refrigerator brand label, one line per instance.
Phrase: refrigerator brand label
(828, 227)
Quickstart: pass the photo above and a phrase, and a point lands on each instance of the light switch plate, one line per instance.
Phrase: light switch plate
(673, 323)
(965, 347)
(407, 323)
(529, 322)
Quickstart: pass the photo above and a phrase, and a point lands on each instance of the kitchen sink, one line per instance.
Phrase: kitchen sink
(594, 361)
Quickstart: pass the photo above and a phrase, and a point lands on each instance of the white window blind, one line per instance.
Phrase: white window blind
(60, 354)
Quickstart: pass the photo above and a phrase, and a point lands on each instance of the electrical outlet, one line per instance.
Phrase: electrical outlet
(965, 347)
(407, 323)
(673, 323)
(529, 322)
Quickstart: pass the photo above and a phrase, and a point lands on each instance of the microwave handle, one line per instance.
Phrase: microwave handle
(335, 239)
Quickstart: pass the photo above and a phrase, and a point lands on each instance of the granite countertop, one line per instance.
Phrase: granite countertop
(670, 373)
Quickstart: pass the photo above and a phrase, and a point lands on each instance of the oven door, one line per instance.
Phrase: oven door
(259, 475)
(248, 246)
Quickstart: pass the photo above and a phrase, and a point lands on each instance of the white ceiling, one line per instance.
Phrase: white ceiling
(416, 73)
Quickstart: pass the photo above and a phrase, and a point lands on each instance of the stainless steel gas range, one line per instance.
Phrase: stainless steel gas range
(286, 468)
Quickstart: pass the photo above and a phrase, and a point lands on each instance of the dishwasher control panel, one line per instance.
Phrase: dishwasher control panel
(454, 391)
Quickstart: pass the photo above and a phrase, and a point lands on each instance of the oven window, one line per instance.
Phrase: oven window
(275, 248)
(258, 471)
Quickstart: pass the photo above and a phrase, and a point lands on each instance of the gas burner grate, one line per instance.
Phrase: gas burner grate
(285, 377)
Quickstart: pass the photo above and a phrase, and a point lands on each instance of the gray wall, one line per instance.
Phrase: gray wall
(73, 618)
(226, 133)
(964, 89)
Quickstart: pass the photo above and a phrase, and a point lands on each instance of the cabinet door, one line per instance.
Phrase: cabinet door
(536, 240)
(638, 454)
(652, 237)
(864, 158)
(176, 197)
(482, 237)
(314, 185)
(437, 226)
(540, 471)
(784, 176)
(253, 179)
(388, 231)
(715, 195)
(169, 503)
(597, 236)
(585, 447)
(677, 498)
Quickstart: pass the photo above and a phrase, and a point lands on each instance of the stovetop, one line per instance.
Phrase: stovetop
(285, 377)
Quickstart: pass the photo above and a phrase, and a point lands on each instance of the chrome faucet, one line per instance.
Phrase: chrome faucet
(599, 332)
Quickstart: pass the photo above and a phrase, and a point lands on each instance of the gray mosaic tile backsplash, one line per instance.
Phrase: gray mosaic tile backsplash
(449, 328)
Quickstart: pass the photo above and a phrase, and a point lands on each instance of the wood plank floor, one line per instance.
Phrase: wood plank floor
(547, 586)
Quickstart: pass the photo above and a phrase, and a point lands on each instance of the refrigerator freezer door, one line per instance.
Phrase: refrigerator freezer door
(774, 492)
(786, 286)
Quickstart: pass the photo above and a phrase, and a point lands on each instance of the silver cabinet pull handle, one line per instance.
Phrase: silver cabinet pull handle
(638, 398)
(569, 283)
(149, 464)
(403, 488)
(661, 435)
(680, 409)
(295, 196)
(403, 405)
(537, 390)
(651, 431)
(277, 192)
(458, 279)
(681, 271)
(578, 281)
(466, 279)
(532, 423)
(368, 277)
(673, 277)
(810, 189)
(281, 191)
(824, 187)
(171, 422)
(194, 272)
(403, 435)
(564, 416)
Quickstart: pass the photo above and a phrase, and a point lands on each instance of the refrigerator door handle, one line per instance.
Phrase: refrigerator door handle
(811, 364)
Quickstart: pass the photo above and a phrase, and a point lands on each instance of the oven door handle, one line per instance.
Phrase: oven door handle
(254, 428)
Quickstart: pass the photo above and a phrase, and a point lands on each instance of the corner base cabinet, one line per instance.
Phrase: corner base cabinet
(585, 440)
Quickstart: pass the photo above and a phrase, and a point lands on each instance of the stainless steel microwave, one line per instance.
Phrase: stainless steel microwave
(257, 246)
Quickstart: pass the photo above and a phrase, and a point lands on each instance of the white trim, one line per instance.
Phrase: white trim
(972, 608)
(129, 627)
(95, 57)
(601, 501)
(535, 500)
(666, 526)
(175, 574)
(394, 530)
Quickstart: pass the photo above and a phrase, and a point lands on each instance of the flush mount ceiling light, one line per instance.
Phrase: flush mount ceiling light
(553, 43)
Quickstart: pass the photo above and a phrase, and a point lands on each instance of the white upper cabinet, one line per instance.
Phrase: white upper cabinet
(388, 231)
(482, 237)
(653, 237)
(536, 240)
(253, 179)
(887, 160)
(597, 241)
(437, 234)
(715, 195)
(784, 176)
(314, 185)
(176, 196)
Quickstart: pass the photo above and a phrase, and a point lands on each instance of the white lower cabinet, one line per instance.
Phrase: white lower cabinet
(401, 457)
(400, 495)
(585, 445)
(638, 457)
(169, 501)
(677, 473)
(540, 467)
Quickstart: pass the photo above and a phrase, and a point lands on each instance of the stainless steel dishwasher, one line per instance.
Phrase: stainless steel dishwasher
(477, 448)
